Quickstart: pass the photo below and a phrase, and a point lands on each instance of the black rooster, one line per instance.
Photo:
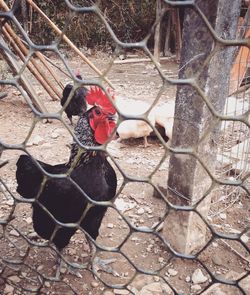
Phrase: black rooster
(90, 170)
(77, 104)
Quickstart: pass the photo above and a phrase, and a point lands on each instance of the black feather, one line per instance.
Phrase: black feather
(77, 104)
(94, 175)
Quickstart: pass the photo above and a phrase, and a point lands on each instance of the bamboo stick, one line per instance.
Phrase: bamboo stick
(32, 98)
(32, 65)
(23, 52)
(67, 40)
(56, 66)
(139, 60)
(48, 60)
(45, 63)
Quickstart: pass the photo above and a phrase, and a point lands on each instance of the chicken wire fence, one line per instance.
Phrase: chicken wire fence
(228, 184)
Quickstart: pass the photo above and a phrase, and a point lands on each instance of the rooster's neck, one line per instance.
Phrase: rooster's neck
(85, 135)
(80, 156)
(84, 132)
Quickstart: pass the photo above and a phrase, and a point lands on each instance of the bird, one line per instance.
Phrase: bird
(164, 117)
(134, 128)
(77, 104)
(59, 198)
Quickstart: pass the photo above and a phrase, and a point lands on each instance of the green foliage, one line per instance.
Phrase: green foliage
(131, 20)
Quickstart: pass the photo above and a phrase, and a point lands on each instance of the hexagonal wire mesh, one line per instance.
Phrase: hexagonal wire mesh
(18, 260)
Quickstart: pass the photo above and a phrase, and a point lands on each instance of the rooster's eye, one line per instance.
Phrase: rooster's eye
(98, 113)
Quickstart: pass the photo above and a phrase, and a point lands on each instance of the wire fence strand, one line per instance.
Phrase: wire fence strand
(17, 265)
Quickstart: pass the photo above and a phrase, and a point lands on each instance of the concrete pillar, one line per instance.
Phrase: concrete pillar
(185, 230)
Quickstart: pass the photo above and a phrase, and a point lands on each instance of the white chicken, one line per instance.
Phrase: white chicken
(164, 117)
(134, 128)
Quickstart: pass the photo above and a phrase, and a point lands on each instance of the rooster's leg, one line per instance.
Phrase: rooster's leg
(70, 119)
(62, 267)
(101, 264)
(146, 144)
(59, 263)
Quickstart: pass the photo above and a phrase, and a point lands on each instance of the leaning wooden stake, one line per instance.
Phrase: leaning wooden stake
(48, 67)
(34, 68)
(157, 36)
(67, 40)
(22, 51)
(24, 81)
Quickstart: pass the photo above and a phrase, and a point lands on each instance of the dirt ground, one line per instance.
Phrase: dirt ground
(137, 201)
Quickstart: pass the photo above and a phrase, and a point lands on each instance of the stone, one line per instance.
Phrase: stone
(198, 277)
(24, 274)
(40, 267)
(94, 284)
(32, 235)
(36, 140)
(110, 225)
(172, 272)
(141, 280)
(124, 206)
(135, 239)
(10, 202)
(219, 292)
(46, 145)
(149, 248)
(14, 233)
(8, 290)
(244, 239)
(140, 211)
(156, 289)
(188, 279)
(196, 288)
(63, 270)
(217, 259)
(72, 251)
(47, 284)
(28, 220)
(218, 289)
(121, 292)
(108, 292)
(223, 216)
(15, 279)
(245, 284)
(133, 290)
(148, 210)
(54, 135)
(156, 279)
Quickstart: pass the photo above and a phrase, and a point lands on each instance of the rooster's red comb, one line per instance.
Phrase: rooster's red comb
(96, 96)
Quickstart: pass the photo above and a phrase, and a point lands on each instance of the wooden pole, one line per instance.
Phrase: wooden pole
(36, 70)
(48, 61)
(67, 40)
(157, 36)
(48, 67)
(32, 65)
(167, 37)
(24, 81)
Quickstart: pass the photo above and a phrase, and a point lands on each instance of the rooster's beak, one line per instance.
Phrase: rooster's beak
(112, 117)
